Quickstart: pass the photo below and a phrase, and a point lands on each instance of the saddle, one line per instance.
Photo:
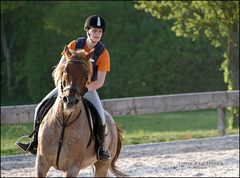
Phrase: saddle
(93, 121)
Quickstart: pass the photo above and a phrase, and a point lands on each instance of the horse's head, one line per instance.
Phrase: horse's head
(72, 77)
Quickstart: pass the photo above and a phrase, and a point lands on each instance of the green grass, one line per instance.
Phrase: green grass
(149, 128)
(9, 135)
(161, 127)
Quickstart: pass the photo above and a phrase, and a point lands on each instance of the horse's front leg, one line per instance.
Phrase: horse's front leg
(72, 171)
(41, 166)
(101, 168)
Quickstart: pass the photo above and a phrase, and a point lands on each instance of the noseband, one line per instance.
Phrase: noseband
(63, 89)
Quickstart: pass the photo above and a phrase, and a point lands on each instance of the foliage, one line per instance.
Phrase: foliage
(192, 17)
(218, 20)
(146, 57)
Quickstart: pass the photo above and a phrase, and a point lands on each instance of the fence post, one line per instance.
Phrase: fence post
(221, 118)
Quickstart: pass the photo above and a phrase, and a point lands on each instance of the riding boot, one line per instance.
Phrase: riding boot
(30, 146)
(102, 153)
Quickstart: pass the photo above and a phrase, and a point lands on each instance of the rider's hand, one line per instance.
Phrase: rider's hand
(85, 90)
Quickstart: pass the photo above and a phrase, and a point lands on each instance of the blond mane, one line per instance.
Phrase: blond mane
(57, 73)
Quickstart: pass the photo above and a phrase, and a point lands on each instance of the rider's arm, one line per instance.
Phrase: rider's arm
(103, 67)
(99, 82)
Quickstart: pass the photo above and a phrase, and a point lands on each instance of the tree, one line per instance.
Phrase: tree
(22, 53)
(217, 20)
(7, 41)
(138, 58)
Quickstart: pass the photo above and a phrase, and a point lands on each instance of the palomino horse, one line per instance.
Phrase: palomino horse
(64, 138)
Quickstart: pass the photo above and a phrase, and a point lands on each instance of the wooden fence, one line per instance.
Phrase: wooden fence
(219, 100)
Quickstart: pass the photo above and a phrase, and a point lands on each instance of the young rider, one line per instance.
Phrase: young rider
(94, 27)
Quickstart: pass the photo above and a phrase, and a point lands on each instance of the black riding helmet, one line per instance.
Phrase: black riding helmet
(94, 21)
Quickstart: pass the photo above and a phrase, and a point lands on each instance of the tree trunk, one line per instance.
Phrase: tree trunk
(6, 53)
(233, 57)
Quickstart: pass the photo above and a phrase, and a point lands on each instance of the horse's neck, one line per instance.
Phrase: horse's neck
(60, 113)
(57, 108)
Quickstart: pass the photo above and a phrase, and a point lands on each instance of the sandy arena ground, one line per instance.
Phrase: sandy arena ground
(212, 157)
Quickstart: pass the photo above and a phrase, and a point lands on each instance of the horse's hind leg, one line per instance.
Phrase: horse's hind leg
(41, 167)
(101, 168)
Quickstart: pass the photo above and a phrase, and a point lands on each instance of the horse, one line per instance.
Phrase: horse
(64, 137)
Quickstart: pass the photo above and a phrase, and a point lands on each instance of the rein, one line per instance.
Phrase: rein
(64, 125)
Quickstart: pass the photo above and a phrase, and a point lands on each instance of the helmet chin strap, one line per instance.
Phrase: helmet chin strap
(90, 42)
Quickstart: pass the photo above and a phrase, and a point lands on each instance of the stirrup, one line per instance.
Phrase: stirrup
(30, 141)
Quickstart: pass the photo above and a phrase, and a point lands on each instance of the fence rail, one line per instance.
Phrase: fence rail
(150, 104)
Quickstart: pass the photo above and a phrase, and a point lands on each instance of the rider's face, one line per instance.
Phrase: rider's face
(95, 34)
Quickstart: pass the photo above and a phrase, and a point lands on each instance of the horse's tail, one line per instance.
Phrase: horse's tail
(113, 168)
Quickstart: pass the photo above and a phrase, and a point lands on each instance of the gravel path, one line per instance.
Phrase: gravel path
(210, 157)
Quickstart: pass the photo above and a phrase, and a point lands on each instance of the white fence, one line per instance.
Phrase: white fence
(149, 104)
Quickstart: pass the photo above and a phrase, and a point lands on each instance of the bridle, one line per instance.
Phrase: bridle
(64, 122)
(74, 88)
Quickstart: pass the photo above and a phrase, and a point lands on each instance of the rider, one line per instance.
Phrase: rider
(94, 27)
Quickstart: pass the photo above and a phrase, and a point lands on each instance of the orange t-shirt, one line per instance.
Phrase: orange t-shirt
(103, 61)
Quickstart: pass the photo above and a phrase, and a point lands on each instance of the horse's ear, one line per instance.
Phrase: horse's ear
(90, 54)
(67, 51)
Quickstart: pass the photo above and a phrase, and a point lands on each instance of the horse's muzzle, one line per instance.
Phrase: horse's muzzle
(70, 101)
